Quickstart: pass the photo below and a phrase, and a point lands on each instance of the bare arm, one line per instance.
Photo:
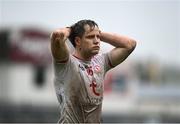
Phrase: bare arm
(123, 46)
(59, 48)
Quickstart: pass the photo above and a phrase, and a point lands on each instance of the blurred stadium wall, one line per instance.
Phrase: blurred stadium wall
(140, 91)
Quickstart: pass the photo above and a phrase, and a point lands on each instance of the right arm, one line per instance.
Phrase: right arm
(59, 47)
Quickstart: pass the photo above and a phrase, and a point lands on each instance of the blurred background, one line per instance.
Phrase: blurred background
(145, 88)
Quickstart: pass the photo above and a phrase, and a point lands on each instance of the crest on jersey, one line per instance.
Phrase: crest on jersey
(97, 68)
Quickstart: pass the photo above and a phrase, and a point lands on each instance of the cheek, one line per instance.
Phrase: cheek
(86, 45)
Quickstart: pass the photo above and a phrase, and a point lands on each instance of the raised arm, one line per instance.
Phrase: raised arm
(123, 46)
(59, 47)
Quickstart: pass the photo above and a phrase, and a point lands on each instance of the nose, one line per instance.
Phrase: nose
(96, 40)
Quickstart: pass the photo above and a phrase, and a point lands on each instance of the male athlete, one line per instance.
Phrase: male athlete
(79, 76)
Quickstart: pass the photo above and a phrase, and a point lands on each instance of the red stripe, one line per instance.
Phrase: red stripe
(79, 58)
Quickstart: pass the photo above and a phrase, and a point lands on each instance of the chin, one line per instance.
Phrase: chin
(95, 52)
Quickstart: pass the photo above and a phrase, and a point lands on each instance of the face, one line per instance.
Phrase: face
(90, 42)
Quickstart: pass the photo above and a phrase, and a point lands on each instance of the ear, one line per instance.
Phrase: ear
(77, 41)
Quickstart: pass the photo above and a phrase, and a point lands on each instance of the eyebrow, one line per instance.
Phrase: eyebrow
(92, 35)
(89, 35)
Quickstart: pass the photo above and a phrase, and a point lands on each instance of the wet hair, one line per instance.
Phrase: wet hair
(77, 29)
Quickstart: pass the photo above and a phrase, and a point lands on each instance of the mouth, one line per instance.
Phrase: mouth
(96, 47)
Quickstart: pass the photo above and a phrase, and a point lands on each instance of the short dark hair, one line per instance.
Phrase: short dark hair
(77, 29)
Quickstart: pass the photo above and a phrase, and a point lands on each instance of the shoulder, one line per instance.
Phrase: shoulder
(100, 57)
(103, 59)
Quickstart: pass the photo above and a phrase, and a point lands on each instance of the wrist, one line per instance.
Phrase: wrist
(66, 31)
(102, 36)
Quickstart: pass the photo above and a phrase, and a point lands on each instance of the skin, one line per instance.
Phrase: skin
(59, 47)
(89, 45)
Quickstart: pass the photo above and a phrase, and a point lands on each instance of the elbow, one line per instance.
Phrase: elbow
(131, 45)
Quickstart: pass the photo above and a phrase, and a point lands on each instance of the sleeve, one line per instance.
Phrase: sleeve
(107, 62)
(61, 69)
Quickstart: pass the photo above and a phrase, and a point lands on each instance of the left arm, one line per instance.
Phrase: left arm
(123, 46)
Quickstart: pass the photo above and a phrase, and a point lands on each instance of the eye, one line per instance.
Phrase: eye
(90, 37)
(98, 36)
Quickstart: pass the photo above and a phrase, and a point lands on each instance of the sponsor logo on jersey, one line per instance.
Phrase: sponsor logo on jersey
(94, 85)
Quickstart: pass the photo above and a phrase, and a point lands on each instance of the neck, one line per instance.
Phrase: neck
(82, 56)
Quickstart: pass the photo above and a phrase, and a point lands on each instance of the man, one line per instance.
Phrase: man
(79, 76)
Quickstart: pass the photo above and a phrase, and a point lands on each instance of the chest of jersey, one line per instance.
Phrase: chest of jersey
(92, 79)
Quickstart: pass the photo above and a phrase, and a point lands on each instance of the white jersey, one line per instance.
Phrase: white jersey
(79, 88)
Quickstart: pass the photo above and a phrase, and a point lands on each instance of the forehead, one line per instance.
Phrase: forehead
(89, 30)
